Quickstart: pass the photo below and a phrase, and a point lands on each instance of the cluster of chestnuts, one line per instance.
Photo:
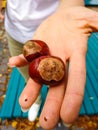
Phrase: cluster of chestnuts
(43, 68)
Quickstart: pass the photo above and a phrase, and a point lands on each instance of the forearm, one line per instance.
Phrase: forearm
(69, 3)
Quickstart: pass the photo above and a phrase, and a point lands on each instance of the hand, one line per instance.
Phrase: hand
(66, 32)
(1, 14)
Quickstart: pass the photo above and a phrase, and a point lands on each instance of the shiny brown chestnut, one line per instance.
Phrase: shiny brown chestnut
(48, 70)
(34, 48)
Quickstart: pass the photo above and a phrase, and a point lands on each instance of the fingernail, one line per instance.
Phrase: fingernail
(33, 112)
(24, 110)
(67, 125)
(11, 65)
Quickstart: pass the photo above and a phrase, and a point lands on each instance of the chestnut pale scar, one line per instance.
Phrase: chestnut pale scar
(51, 69)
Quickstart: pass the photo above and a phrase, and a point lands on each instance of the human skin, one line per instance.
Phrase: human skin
(66, 32)
(1, 15)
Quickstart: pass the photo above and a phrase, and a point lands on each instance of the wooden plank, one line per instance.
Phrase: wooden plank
(93, 97)
(82, 110)
(87, 104)
(17, 110)
(8, 106)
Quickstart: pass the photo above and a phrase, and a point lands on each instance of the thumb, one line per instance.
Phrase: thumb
(17, 61)
(92, 19)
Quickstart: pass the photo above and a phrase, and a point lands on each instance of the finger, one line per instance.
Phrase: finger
(1, 16)
(92, 19)
(51, 112)
(17, 61)
(29, 94)
(75, 88)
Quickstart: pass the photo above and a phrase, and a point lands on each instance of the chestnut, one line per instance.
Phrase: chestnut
(49, 70)
(35, 48)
